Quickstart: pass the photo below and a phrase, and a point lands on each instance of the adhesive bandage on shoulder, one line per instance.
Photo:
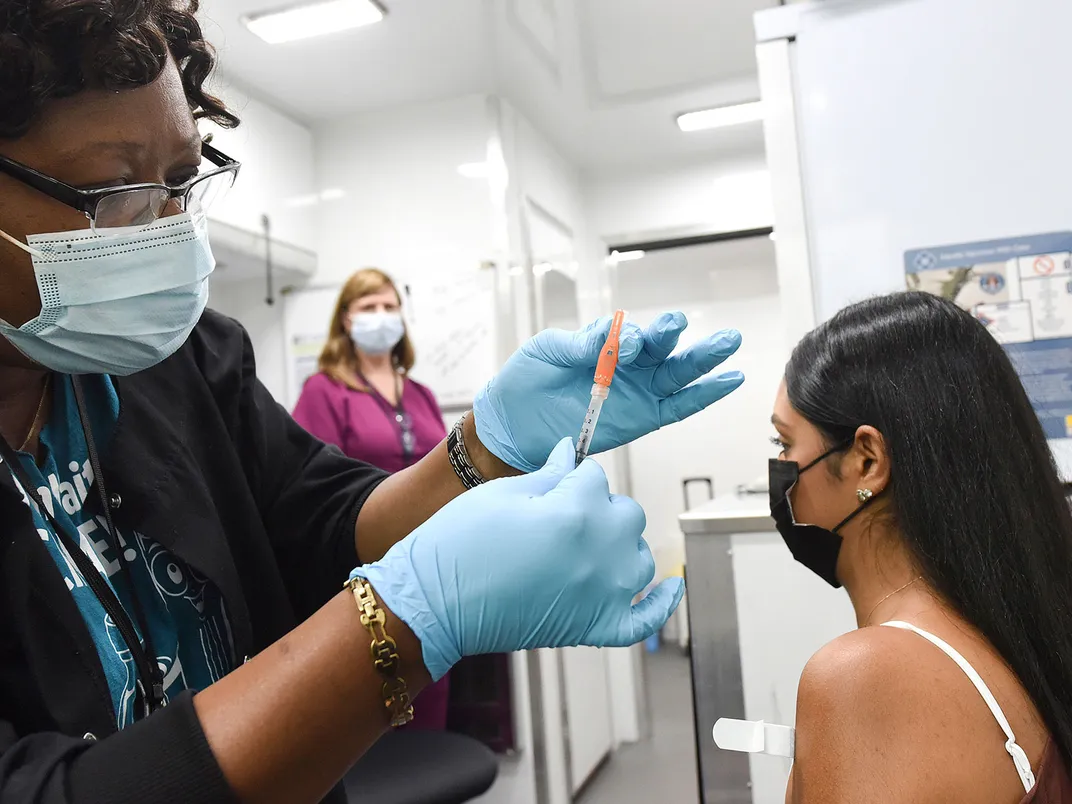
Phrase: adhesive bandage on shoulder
(754, 737)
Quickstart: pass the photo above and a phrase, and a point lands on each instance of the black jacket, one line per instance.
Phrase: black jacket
(209, 466)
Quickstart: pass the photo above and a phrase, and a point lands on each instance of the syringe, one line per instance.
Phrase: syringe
(608, 361)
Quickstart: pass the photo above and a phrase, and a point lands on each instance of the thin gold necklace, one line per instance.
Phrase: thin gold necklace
(37, 416)
(867, 620)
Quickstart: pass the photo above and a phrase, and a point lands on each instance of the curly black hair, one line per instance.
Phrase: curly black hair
(56, 48)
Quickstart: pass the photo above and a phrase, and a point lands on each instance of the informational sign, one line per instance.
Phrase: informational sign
(306, 318)
(305, 358)
(1021, 288)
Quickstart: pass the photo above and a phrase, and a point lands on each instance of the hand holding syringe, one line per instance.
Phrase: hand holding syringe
(608, 362)
(541, 393)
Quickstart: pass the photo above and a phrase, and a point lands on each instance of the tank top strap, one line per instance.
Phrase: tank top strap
(1019, 758)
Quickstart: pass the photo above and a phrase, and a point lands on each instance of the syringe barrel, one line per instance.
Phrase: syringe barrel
(588, 429)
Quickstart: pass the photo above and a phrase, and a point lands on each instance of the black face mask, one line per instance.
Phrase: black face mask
(815, 547)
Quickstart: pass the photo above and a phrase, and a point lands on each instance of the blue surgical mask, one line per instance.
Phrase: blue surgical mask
(116, 303)
(376, 333)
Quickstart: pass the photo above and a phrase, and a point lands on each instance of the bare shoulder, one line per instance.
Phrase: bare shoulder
(876, 720)
(860, 662)
(860, 682)
(884, 716)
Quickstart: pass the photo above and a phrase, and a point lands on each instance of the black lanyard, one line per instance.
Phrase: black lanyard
(402, 419)
(150, 682)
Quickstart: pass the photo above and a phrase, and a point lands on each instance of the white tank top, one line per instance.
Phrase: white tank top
(1019, 758)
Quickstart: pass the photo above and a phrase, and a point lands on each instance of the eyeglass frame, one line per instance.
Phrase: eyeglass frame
(87, 201)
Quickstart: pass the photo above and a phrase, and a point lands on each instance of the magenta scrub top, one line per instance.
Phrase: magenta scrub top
(364, 426)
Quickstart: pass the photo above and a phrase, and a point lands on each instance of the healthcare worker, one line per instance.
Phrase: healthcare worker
(363, 401)
(173, 547)
(914, 471)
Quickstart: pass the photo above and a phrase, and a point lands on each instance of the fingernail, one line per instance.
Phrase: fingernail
(675, 319)
(629, 341)
(732, 376)
(727, 339)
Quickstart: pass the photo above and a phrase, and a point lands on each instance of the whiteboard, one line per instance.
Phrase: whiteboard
(923, 123)
(450, 319)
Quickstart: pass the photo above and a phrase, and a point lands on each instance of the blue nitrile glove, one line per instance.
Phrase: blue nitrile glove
(543, 391)
(546, 560)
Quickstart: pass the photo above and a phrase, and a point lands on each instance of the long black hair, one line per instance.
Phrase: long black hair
(974, 489)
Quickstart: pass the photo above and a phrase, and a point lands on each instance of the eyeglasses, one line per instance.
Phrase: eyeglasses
(133, 205)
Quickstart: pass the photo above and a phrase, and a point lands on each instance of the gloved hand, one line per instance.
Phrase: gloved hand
(543, 391)
(545, 560)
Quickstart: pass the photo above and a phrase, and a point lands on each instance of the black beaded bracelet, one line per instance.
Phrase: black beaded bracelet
(459, 457)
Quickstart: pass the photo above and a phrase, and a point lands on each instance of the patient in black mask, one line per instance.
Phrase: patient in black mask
(914, 472)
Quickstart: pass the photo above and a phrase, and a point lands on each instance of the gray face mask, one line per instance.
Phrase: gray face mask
(117, 303)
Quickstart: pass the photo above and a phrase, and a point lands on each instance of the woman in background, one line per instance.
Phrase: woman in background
(914, 471)
(363, 402)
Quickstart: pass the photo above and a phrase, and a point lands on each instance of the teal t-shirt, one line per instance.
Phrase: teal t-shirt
(185, 613)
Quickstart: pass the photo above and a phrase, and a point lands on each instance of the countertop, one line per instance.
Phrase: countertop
(729, 513)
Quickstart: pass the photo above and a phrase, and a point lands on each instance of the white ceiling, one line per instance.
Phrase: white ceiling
(423, 50)
(603, 79)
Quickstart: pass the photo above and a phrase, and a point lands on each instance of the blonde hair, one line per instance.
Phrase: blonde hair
(338, 359)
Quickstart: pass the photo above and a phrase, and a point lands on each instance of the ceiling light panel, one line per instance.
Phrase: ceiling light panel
(721, 117)
(313, 19)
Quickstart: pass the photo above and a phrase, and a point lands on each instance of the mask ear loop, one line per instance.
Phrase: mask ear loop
(859, 508)
(836, 448)
(33, 252)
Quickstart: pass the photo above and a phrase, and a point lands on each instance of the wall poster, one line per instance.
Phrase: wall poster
(1021, 288)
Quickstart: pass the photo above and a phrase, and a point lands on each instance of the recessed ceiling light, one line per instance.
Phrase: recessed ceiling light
(721, 117)
(312, 19)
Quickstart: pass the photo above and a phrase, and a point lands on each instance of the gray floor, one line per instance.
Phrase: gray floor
(661, 768)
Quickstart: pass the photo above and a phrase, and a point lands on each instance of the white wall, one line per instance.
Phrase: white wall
(276, 153)
(703, 198)
(278, 170)
(405, 209)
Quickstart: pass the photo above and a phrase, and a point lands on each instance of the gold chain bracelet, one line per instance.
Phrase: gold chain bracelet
(384, 652)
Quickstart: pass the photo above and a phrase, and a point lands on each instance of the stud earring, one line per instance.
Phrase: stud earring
(863, 495)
